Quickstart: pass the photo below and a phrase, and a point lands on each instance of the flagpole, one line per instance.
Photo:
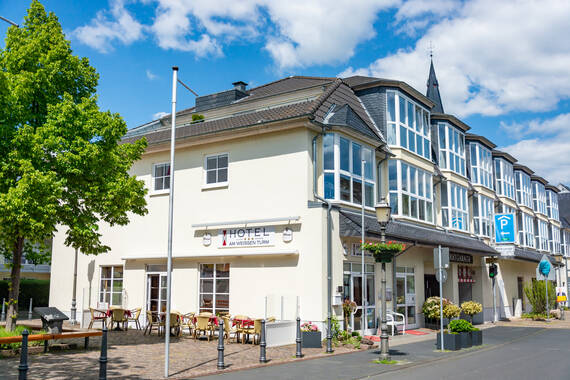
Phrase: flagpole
(363, 315)
(170, 222)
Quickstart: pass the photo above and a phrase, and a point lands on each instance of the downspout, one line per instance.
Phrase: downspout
(329, 246)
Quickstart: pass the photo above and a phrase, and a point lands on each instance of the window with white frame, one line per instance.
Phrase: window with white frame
(214, 288)
(526, 229)
(161, 177)
(451, 148)
(554, 239)
(454, 206)
(504, 209)
(111, 289)
(505, 178)
(538, 197)
(524, 190)
(565, 239)
(411, 192)
(482, 215)
(552, 204)
(481, 165)
(216, 169)
(408, 124)
(541, 230)
(342, 167)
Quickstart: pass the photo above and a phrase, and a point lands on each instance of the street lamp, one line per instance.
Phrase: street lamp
(383, 216)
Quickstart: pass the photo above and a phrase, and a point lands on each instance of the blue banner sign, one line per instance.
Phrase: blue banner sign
(505, 228)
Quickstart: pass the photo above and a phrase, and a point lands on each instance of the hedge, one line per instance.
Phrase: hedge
(36, 289)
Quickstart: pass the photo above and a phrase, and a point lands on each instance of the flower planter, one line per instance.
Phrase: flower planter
(476, 337)
(311, 339)
(465, 339)
(450, 341)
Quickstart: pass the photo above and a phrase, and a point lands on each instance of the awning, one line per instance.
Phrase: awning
(412, 233)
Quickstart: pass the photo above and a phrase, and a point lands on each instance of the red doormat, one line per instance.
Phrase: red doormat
(415, 332)
(373, 338)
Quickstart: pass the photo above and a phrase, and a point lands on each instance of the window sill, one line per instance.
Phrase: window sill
(211, 186)
(410, 219)
(159, 193)
(345, 203)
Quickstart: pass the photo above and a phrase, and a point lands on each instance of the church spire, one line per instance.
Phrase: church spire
(433, 89)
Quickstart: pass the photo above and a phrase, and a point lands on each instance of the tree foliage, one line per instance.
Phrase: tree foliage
(535, 292)
(61, 159)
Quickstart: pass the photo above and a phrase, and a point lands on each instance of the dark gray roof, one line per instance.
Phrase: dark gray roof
(528, 255)
(345, 116)
(284, 85)
(564, 209)
(433, 90)
(412, 233)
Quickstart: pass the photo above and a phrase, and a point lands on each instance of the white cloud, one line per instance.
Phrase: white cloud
(545, 148)
(150, 75)
(102, 31)
(491, 57)
(159, 115)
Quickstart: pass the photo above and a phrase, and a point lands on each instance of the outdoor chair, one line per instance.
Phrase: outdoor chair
(271, 319)
(118, 316)
(189, 319)
(135, 314)
(205, 314)
(238, 325)
(153, 321)
(228, 329)
(203, 325)
(175, 323)
(255, 331)
(392, 321)
(97, 315)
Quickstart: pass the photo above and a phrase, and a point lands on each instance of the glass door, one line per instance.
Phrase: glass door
(406, 295)
(156, 292)
(353, 283)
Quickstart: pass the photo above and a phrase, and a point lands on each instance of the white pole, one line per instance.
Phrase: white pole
(494, 302)
(362, 253)
(440, 295)
(170, 222)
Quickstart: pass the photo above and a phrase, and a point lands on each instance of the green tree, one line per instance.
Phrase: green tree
(62, 165)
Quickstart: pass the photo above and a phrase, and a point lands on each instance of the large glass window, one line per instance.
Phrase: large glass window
(411, 192)
(345, 181)
(482, 215)
(481, 165)
(505, 178)
(541, 230)
(554, 239)
(524, 191)
(408, 124)
(451, 148)
(111, 289)
(526, 230)
(215, 288)
(161, 177)
(454, 206)
(552, 204)
(538, 197)
(565, 238)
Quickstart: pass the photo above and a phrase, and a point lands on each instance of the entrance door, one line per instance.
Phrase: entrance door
(406, 292)
(156, 292)
(353, 291)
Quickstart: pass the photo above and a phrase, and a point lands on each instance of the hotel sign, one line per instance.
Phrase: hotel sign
(246, 237)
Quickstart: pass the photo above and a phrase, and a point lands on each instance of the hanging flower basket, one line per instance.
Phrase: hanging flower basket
(383, 252)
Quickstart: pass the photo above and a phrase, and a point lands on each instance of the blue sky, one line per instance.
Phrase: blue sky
(504, 73)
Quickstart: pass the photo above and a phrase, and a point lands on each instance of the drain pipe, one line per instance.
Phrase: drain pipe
(329, 246)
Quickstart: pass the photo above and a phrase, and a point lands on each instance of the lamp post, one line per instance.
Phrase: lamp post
(383, 216)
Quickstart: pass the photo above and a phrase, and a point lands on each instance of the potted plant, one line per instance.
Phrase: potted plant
(463, 328)
(470, 308)
(348, 307)
(383, 252)
(476, 337)
(430, 310)
(310, 335)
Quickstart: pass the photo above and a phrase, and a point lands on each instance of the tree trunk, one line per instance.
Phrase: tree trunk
(14, 290)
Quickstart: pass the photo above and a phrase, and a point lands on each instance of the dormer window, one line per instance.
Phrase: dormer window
(505, 178)
(451, 148)
(538, 197)
(481, 165)
(552, 205)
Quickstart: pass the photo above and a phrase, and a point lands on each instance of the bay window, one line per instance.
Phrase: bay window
(454, 207)
(505, 178)
(451, 148)
(342, 168)
(541, 230)
(565, 239)
(524, 192)
(538, 197)
(408, 124)
(554, 239)
(526, 230)
(552, 204)
(411, 192)
(482, 215)
(481, 165)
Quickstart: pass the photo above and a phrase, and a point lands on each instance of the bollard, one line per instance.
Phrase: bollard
(23, 367)
(262, 343)
(221, 364)
(103, 358)
(298, 354)
(329, 336)
(30, 310)
(3, 315)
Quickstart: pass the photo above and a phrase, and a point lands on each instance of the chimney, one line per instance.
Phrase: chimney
(240, 86)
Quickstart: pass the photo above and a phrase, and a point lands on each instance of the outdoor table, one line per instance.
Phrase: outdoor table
(213, 319)
(109, 314)
(244, 323)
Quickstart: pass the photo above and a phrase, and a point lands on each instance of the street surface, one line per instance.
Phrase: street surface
(521, 353)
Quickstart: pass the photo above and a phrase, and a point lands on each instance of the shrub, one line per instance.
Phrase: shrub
(460, 325)
(471, 308)
(430, 307)
(451, 311)
(18, 331)
(536, 294)
(36, 289)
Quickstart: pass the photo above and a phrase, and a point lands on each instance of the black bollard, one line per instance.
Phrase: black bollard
(103, 357)
(221, 364)
(329, 336)
(298, 354)
(262, 343)
(23, 367)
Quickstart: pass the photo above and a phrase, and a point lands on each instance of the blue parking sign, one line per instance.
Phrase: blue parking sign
(505, 228)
